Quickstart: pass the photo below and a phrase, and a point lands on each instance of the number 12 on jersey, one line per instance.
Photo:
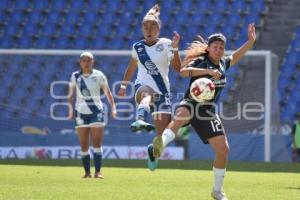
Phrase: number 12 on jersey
(216, 125)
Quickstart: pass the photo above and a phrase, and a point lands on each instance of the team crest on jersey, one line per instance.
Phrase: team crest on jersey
(94, 79)
(86, 93)
(159, 48)
(151, 68)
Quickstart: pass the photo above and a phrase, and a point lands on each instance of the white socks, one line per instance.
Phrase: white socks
(84, 153)
(98, 150)
(219, 178)
(167, 136)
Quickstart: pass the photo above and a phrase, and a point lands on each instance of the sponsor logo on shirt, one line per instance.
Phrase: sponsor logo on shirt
(159, 48)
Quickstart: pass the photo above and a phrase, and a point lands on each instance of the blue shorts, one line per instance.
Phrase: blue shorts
(88, 120)
(161, 103)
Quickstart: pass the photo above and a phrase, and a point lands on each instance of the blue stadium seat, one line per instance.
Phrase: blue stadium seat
(43, 43)
(186, 6)
(131, 5)
(209, 30)
(59, 5)
(252, 19)
(40, 5)
(234, 19)
(90, 17)
(77, 5)
(54, 17)
(6, 43)
(22, 5)
(257, 6)
(86, 30)
(239, 6)
(95, 5)
(295, 45)
(288, 69)
(5, 4)
(72, 18)
(49, 30)
(221, 6)
(284, 81)
(215, 19)
(113, 5)
(16, 17)
(35, 17)
(203, 6)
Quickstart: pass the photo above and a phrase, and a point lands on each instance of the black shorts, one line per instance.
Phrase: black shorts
(207, 124)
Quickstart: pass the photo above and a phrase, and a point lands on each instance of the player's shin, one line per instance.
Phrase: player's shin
(85, 157)
(142, 111)
(219, 175)
(97, 159)
(167, 137)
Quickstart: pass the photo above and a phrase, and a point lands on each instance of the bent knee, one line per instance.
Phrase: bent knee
(222, 150)
(182, 116)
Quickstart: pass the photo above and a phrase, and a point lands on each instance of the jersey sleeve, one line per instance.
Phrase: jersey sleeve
(227, 61)
(102, 79)
(195, 63)
(72, 80)
(169, 48)
(133, 53)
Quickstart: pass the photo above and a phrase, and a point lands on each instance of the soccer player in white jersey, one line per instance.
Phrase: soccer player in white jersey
(152, 57)
(86, 84)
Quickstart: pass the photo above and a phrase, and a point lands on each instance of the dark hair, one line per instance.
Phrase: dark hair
(216, 37)
(199, 46)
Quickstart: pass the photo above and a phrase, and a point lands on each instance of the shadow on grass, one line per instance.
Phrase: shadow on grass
(166, 164)
(293, 188)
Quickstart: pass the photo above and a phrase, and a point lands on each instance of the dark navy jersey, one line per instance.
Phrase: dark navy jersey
(205, 63)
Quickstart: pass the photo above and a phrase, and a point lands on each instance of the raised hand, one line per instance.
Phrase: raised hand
(251, 32)
(175, 40)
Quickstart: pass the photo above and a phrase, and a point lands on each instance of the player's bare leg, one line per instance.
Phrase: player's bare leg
(221, 148)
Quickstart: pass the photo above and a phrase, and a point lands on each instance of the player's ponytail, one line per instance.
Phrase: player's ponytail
(153, 15)
(195, 49)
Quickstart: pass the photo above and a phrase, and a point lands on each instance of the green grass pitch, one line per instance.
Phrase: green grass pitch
(130, 180)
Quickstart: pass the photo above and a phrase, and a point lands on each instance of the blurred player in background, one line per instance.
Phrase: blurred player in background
(182, 140)
(87, 84)
(296, 139)
(152, 57)
(206, 60)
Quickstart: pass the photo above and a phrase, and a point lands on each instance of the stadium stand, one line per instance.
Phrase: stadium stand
(103, 24)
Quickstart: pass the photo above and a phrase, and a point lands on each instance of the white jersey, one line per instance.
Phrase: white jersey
(93, 82)
(161, 55)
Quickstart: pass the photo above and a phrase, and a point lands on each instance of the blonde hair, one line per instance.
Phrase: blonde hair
(153, 15)
(195, 50)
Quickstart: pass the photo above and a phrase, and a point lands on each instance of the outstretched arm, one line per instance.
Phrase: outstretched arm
(240, 52)
(194, 72)
(176, 61)
(127, 76)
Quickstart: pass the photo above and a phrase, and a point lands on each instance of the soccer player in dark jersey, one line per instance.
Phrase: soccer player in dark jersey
(206, 60)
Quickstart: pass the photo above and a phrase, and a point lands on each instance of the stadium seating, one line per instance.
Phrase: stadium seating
(103, 24)
(289, 81)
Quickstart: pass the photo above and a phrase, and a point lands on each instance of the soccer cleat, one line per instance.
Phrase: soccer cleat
(152, 161)
(87, 175)
(140, 125)
(218, 195)
(98, 175)
(157, 146)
